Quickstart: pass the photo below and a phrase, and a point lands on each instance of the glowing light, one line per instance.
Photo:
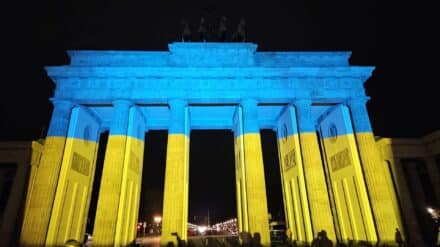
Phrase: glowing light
(202, 229)
(430, 210)
(157, 219)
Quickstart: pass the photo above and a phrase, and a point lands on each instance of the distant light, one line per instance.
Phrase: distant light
(202, 229)
(430, 210)
(157, 219)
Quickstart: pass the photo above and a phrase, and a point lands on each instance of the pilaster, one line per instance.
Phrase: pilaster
(42, 194)
(379, 189)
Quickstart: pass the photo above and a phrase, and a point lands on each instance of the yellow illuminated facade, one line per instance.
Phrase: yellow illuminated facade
(332, 177)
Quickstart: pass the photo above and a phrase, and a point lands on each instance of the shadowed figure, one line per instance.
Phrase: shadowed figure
(322, 240)
(186, 33)
(202, 31)
(180, 242)
(246, 239)
(398, 238)
(256, 240)
(240, 34)
(222, 29)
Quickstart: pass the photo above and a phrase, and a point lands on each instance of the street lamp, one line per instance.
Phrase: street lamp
(435, 213)
(157, 219)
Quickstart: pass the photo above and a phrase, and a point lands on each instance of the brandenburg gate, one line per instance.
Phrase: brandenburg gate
(332, 177)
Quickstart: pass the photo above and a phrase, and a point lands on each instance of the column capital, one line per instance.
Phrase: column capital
(250, 115)
(119, 124)
(250, 108)
(249, 102)
(303, 108)
(178, 117)
(143, 117)
(122, 102)
(359, 114)
(63, 103)
(302, 102)
(351, 102)
(92, 113)
(177, 103)
(59, 123)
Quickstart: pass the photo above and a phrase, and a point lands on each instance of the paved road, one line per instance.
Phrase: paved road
(150, 241)
(196, 241)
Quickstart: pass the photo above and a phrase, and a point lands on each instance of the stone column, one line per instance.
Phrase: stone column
(175, 202)
(255, 184)
(12, 211)
(434, 176)
(131, 179)
(320, 211)
(417, 192)
(412, 225)
(240, 177)
(42, 194)
(111, 182)
(380, 193)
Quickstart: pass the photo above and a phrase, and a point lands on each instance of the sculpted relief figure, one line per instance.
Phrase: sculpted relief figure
(240, 34)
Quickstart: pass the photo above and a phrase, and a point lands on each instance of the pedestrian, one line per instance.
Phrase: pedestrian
(289, 236)
(322, 240)
(398, 238)
(316, 240)
(246, 239)
(325, 241)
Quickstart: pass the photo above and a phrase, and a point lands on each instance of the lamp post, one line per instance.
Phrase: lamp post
(158, 219)
(435, 215)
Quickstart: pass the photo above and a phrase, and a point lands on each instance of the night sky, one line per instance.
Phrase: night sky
(401, 40)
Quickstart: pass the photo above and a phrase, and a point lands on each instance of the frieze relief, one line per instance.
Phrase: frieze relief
(134, 162)
(80, 164)
(340, 160)
(289, 160)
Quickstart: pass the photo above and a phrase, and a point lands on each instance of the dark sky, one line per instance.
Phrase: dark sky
(401, 40)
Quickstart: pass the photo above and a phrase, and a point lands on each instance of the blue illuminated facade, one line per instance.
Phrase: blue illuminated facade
(212, 78)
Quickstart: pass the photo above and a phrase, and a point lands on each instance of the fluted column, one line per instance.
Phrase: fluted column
(320, 211)
(111, 181)
(380, 191)
(42, 194)
(175, 203)
(133, 175)
(296, 203)
(257, 211)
